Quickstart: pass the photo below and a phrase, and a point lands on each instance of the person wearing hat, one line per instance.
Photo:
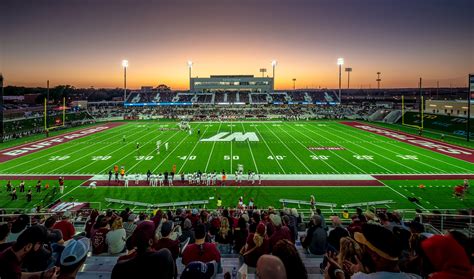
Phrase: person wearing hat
(130, 225)
(280, 231)
(65, 226)
(443, 257)
(200, 270)
(381, 251)
(257, 245)
(201, 250)
(73, 257)
(166, 242)
(145, 261)
(28, 242)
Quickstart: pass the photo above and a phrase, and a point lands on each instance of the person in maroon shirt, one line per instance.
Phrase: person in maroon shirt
(201, 251)
(280, 232)
(29, 241)
(166, 242)
(65, 226)
(256, 246)
(99, 245)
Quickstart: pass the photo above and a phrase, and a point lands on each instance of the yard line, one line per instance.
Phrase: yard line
(172, 152)
(69, 162)
(120, 148)
(251, 153)
(68, 146)
(362, 146)
(191, 152)
(332, 152)
(212, 150)
(269, 149)
(308, 150)
(231, 155)
(393, 143)
(153, 150)
(370, 161)
(394, 152)
(304, 165)
(400, 194)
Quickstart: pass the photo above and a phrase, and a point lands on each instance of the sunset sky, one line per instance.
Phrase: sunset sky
(83, 42)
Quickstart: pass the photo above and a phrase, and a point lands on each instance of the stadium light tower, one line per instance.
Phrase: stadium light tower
(348, 70)
(2, 127)
(125, 66)
(294, 84)
(263, 71)
(378, 80)
(190, 66)
(340, 62)
(274, 63)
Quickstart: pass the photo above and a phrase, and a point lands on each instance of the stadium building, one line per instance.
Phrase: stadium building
(240, 83)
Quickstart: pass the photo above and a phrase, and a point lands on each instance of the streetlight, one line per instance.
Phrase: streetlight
(294, 84)
(124, 65)
(348, 70)
(340, 62)
(274, 63)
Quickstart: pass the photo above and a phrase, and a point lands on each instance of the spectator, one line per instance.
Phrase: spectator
(336, 233)
(293, 223)
(65, 226)
(28, 242)
(381, 252)
(200, 270)
(116, 237)
(270, 267)
(286, 251)
(73, 257)
(18, 226)
(166, 242)
(201, 250)
(130, 225)
(90, 223)
(316, 237)
(98, 240)
(446, 258)
(4, 231)
(187, 232)
(256, 246)
(224, 237)
(323, 221)
(240, 234)
(145, 261)
(349, 251)
(280, 232)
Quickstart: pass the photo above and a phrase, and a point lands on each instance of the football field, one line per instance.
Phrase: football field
(326, 157)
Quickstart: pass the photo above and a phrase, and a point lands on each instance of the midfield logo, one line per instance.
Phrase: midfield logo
(226, 136)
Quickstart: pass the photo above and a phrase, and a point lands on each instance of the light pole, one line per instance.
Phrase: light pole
(378, 80)
(348, 70)
(124, 65)
(274, 63)
(294, 84)
(263, 71)
(190, 67)
(340, 62)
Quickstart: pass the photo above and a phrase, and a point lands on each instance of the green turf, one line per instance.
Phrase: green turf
(282, 149)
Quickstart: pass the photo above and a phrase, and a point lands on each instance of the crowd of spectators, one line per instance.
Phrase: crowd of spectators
(373, 245)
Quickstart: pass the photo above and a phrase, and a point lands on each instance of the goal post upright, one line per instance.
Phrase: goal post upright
(64, 111)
